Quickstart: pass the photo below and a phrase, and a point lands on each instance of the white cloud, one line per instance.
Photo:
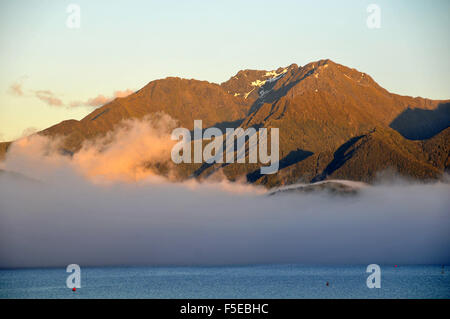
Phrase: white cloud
(104, 206)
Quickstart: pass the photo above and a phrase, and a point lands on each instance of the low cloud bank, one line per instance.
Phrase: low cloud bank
(124, 154)
(100, 207)
(153, 222)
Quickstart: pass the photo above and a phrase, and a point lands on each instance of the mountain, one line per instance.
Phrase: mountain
(334, 121)
(184, 100)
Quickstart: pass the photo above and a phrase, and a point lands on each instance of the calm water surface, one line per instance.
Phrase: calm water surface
(271, 281)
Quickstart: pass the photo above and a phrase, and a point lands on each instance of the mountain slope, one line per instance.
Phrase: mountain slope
(184, 100)
(325, 104)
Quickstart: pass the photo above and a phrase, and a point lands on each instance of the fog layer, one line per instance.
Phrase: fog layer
(63, 215)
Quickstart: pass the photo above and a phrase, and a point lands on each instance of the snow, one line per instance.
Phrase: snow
(274, 73)
(247, 94)
(258, 83)
(353, 184)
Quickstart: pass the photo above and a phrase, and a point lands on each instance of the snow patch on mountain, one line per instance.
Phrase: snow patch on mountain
(337, 186)
(258, 83)
(274, 74)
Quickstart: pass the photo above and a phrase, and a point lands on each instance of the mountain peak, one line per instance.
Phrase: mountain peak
(253, 84)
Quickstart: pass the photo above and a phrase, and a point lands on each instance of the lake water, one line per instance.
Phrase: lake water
(271, 281)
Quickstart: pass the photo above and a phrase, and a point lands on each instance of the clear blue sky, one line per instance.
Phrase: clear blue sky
(125, 44)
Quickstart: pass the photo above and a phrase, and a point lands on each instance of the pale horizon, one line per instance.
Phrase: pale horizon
(51, 72)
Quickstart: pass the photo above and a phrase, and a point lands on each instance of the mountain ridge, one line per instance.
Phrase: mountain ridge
(318, 108)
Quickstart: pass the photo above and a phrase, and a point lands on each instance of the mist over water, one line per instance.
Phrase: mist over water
(160, 223)
(75, 210)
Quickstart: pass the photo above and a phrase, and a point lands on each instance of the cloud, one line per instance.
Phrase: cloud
(105, 206)
(124, 154)
(94, 102)
(124, 93)
(101, 99)
(48, 97)
(155, 222)
(29, 131)
(16, 88)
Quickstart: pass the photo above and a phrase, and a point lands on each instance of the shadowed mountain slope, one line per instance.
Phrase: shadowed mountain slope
(419, 124)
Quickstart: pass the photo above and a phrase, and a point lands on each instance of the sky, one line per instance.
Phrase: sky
(50, 72)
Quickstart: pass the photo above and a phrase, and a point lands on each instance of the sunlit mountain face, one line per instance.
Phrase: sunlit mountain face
(335, 122)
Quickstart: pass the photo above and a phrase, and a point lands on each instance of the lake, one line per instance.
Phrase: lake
(261, 281)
